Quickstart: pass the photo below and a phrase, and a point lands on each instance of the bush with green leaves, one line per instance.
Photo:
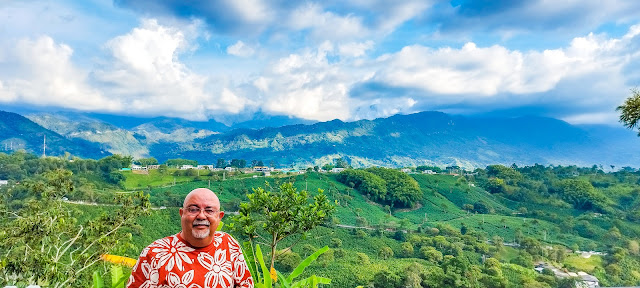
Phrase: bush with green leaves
(272, 216)
(42, 242)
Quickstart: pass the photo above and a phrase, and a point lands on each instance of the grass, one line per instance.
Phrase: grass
(508, 253)
(154, 179)
(583, 264)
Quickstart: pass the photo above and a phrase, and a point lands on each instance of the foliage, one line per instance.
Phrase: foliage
(630, 111)
(274, 216)
(262, 281)
(403, 191)
(432, 168)
(180, 162)
(581, 194)
(367, 183)
(43, 242)
(146, 161)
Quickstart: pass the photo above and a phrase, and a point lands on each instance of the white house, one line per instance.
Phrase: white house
(428, 172)
(261, 169)
(405, 170)
(203, 167)
(4, 182)
(230, 169)
(337, 170)
(185, 167)
(138, 167)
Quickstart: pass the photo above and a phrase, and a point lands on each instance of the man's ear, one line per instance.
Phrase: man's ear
(221, 214)
(181, 212)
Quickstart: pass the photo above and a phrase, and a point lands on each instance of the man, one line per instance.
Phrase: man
(198, 256)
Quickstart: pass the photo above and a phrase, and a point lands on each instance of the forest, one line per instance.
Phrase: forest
(483, 228)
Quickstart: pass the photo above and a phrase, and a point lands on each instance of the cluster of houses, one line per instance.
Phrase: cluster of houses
(582, 279)
(264, 169)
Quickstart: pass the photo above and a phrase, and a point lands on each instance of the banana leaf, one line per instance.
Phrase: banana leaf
(97, 280)
(266, 279)
(306, 262)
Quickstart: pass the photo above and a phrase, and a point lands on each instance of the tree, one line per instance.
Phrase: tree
(42, 242)
(221, 163)
(272, 216)
(342, 163)
(407, 249)
(385, 252)
(431, 254)
(146, 161)
(630, 111)
(180, 162)
(581, 194)
(386, 279)
(633, 246)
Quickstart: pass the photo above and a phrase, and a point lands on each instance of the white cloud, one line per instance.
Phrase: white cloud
(240, 49)
(591, 118)
(41, 73)
(306, 86)
(252, 11)
(147, 76)
(326, 25)
(355, 49)
(487, 75)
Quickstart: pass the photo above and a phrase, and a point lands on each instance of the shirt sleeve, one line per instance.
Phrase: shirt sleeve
(241, 273)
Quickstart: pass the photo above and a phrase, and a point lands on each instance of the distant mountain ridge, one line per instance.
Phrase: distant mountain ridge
(431, 138)
(18, 132)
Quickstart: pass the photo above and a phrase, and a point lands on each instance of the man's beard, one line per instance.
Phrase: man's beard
(198, 234)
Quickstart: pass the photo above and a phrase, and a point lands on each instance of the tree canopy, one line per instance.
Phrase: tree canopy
(630, 111)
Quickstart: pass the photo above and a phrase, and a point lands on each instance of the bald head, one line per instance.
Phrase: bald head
(199, 195)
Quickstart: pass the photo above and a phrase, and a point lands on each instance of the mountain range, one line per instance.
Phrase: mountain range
(425, 138)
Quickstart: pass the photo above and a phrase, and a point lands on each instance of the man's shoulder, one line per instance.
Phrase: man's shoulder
(225, 237)
(165, 241)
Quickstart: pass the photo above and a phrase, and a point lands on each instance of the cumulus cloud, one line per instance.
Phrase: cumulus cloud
(240, 49)
(41, 73)
(582, 74)
(307, 86)
(355, 49)
(147, 76)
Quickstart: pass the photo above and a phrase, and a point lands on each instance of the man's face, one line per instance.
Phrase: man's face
(200, 217)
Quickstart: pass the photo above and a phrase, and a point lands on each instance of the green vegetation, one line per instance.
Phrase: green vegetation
(484, 228)
(41, 241)
(383, 185)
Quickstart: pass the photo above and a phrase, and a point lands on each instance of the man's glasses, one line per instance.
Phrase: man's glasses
(192, 210)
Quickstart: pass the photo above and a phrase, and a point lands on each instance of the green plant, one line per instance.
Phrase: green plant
(118, 278)
(274, 216)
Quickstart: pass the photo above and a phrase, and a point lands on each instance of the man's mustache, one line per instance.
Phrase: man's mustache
(201, 222)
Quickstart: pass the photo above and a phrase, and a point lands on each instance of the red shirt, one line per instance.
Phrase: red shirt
(172, 262)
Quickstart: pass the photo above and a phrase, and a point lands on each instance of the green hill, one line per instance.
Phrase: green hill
(18, 132)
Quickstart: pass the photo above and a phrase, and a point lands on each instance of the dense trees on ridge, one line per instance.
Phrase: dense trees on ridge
(383, 185)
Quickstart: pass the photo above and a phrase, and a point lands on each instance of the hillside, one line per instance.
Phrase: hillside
(514, 215)
(535, 222)
(18, 132)
(430, 138)
(423, 138)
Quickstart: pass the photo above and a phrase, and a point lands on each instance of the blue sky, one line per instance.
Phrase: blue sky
(572, 60)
